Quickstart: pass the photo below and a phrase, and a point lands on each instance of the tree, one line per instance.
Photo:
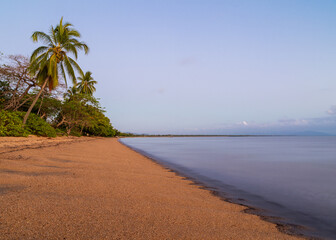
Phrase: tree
(86, 84)
(81, 114)
(51, 62)
(71, 93)
(15, 82)
(72, 115)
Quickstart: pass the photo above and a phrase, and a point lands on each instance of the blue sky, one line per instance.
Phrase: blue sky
(191, 66)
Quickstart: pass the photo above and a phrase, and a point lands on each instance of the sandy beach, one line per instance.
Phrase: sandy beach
(96, 188)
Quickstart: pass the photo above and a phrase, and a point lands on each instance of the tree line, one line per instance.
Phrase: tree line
(34, 94)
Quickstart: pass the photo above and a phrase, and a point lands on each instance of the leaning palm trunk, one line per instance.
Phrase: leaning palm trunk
(34, 102)
(38, 112)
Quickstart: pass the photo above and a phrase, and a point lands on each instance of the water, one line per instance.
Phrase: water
(290, 177)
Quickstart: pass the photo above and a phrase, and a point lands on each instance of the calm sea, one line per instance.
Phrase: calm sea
(293, 178)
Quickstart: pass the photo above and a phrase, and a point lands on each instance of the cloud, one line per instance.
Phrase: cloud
(244, 123)
(332, 110)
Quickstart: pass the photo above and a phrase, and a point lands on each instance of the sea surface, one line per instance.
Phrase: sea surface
(291, 178)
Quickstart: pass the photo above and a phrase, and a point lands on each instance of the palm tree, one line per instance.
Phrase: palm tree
(71, 93)
(86, 84)
(51, 62)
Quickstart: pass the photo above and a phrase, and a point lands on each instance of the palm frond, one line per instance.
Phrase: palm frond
(53, 35)
(50, 64)
(85, 47)
(72, 49)
(88, 75)
(54, 82)
(41, 36)
(79, 45)
(77, 67)
(37, 51)
(60, 27)
(39, 63)
(69, 69)
(74, 33)
(63, 75)
(35, 62)
(67, 25)
(42, 75)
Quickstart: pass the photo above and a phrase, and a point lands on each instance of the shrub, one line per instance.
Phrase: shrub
(102, 130)
(11, 125)
(39, 127)
(60, 132)
(75, 132)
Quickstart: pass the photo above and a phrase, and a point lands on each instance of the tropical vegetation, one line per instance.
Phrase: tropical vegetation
(34, 94)
(86, 83)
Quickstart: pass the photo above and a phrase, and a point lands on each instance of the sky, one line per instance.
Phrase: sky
(198, 66)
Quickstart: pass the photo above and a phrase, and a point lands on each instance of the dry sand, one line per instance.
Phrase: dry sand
(99, 189)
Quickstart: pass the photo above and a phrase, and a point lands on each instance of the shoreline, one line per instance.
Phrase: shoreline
(103, 190)
(281, 224)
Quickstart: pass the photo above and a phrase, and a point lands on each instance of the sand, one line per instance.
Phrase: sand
(83, 188)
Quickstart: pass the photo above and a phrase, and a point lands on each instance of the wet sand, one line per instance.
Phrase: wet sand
(83, 188)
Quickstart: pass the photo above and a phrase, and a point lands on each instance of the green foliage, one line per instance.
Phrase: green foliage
(99, 125)
(78, 115)
(76, 132)
(86, 83)
(60, 132)
(121, 134)
(52, 60)
(39, 127)
(81, 115)
(47, 106)
(11, 125)
(23, 82)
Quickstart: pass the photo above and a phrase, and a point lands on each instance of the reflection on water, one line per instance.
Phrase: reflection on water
(292, 177)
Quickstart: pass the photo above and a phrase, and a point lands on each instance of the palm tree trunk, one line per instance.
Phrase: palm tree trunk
(34, 102)
(38, 112)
